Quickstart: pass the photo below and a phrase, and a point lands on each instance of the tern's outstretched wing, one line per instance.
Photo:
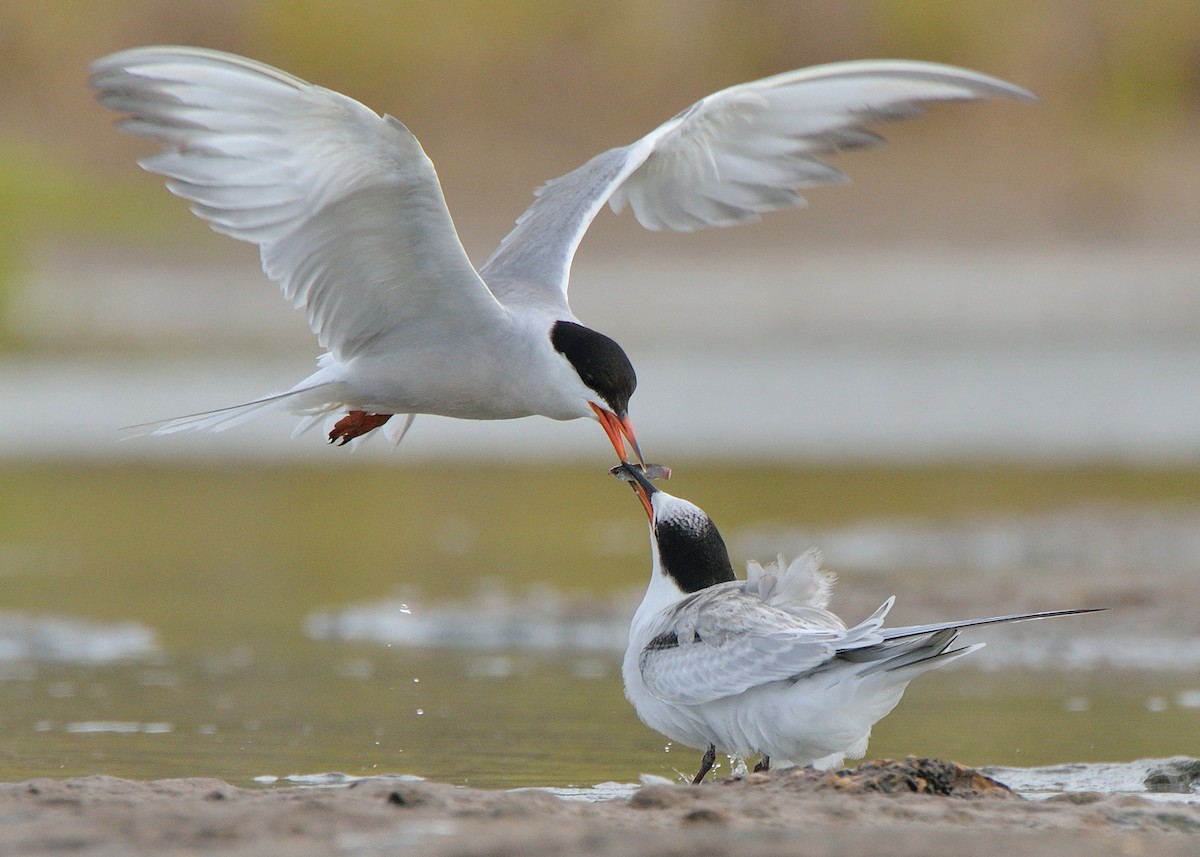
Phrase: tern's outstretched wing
(726, 159)
(344, 204)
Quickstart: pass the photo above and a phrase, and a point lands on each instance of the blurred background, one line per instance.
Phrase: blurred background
(971, 375)
(1002, 280)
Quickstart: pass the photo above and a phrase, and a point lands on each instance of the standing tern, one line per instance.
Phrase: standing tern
(351, 223)
(759, 666)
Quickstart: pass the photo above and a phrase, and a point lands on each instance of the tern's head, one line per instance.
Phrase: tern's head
(608, 375)
(688, 545)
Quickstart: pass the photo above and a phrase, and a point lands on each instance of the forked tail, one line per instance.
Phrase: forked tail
(298, 400)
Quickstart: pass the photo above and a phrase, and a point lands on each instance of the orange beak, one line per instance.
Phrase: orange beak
(618, 429)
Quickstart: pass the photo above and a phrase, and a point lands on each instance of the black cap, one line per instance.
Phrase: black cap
(600, 363)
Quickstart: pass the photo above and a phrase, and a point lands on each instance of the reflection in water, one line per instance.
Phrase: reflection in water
(549, 622)
(543, 620)
(59, 638)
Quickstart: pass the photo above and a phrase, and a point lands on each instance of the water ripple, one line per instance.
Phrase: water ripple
(549, 622)
(58, 638)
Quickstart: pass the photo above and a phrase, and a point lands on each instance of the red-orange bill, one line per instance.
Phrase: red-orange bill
(618, 429)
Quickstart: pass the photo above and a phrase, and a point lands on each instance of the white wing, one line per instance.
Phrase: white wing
(726, 159)
(344, 204)
(723, 641)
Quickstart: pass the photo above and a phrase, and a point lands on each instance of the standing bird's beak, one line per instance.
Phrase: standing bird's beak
(619, 428)
(641, 486)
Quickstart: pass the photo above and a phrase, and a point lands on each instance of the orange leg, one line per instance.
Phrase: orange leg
(355, 424)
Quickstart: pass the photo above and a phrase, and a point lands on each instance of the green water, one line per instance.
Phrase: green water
(549, 722)
(226, 563)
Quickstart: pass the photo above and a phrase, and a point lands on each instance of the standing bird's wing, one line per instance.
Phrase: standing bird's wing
(722, 641)
(344, 204)
(726, 159)
(926, 646)
(909, 631)
(717, 644)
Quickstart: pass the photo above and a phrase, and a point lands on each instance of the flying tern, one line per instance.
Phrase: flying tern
(760, 666)
(350, 219)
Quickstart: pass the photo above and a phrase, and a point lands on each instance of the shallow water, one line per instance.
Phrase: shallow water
(512, 720)
(176, 621)
(1165, 780)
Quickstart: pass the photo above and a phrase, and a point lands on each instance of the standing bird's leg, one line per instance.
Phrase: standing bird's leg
(764, 764)
(706, 763)
(354, 424)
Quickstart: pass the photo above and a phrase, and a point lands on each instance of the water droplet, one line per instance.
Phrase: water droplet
(420, 711)
(737, 767)
(1156, 704)
(416, 681)
(404, 609)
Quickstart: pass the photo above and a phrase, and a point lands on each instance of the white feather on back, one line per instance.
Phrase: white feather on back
(801, 588)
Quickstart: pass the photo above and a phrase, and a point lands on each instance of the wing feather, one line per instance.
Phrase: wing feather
(728, 640)
(727, 159)
(344, 204)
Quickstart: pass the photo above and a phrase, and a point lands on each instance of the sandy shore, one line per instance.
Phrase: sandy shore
(873, 812)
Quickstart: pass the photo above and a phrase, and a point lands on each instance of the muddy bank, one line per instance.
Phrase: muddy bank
(921, 807)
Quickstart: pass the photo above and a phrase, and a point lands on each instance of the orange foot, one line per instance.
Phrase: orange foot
(354, 424)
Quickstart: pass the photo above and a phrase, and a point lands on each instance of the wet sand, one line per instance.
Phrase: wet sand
(765, 814)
